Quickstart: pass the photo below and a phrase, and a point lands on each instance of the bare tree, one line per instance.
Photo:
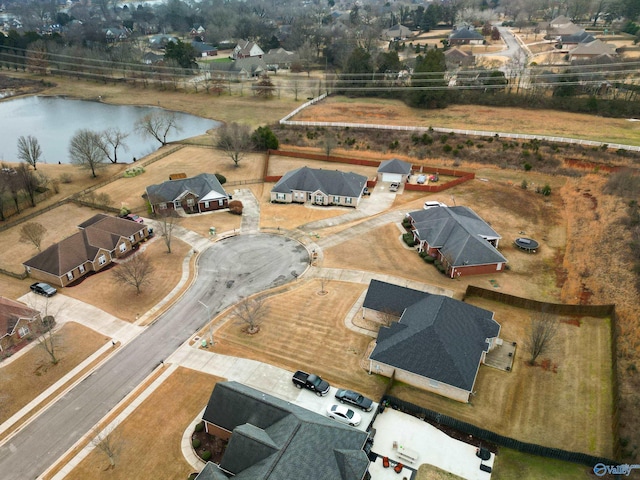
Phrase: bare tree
(109, 443)
(136, 271)
(12, 182)
(112, 139)
(167, 223)
(158, 125)
(87, 150)
(29, 150)
(28, 181)
(251, 312)
(49, 340)
(540, 334)
(235, 140)
(32, 232)
(328, 142)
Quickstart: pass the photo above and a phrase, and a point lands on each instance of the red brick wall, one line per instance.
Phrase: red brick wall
(477, 270)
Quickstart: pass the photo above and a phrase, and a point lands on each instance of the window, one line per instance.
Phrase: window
(319, 199)
(348, 200)
(132, 238)
(281, 196)
(190, 202)
(221, 202)
(70, 275)
(102, 259)
(206, 204)
(23, 331)
(162, 206)
(123, 247)
(336, 199)
(81, 268)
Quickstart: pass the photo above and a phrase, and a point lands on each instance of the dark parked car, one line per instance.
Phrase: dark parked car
(394, 187)
(355, 399)
(43, 289)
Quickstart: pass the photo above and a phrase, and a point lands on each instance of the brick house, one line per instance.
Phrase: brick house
(202, 193)
(17, 321)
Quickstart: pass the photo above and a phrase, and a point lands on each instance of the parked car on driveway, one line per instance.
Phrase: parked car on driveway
(355, 399)
(43, 289)
(134, 218)
(344, 415)
(311, 382)
(394, 187)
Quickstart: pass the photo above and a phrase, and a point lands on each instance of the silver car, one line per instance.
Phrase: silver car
(344, 415)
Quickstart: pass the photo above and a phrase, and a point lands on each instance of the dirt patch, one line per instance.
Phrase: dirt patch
(209, 443)
(24, 378)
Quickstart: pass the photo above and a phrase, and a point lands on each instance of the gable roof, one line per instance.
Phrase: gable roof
(100, 231)
(383, 296)
(330, 182)
(456, 53)
(11, 312)
(560, 20)
(271, 436)
(578, 37)
(458, 233)
(204, 186)
(395, 166)
(438, 338)
(596, 47)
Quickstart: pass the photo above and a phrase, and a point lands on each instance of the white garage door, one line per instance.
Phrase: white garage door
(391, 177)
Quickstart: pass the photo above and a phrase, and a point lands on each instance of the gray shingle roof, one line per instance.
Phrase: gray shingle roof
(458, 232)
(275, 440)
(395, 166)
(383, 296)
(203, 185)
(466, 33)
(330, 182)
(439, 338)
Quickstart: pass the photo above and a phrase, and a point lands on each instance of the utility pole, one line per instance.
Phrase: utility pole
(208, 320)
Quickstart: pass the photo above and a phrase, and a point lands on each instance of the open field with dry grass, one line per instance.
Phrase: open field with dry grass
(150, 437)
(103, 291)
(513, 465)
(471, 117)
(305, 329)
(26, 377)
(190, 160)
(571, 397)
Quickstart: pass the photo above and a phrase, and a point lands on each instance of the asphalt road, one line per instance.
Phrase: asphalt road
(235, 267)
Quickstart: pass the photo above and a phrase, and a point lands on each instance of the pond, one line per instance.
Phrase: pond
(54, 120)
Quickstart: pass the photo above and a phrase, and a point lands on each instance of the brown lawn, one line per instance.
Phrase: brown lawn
(570, 397)
(501, 119)
(223, 221)
(61, 222)
(103, 291)
(28, 376)
(150, 438)
(189, 160)
(306, 330)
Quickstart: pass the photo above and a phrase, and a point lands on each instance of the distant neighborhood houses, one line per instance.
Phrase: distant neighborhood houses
(438, 343)
(319, 187)
(199, 194)
(459, 238)
(101, 239)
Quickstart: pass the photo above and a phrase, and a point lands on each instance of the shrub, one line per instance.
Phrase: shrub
(447, 148)
(524, 185)
(443, 139)
(199, 427)
(408, 239)
(394, 145)
(264, 139)
(527, 166)
(428, 259)
(546, 190)
(235, 207)
(206, 455)
(221, 178)
(195, 443)
(65, 178)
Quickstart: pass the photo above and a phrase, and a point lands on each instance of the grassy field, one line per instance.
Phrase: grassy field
(305, 329)
(513, 465)
(473, 117)
(149, 438)
(26, 377)
(103, 291)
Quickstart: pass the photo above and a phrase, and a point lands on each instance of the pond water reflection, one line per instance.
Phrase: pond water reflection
(54, 120)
